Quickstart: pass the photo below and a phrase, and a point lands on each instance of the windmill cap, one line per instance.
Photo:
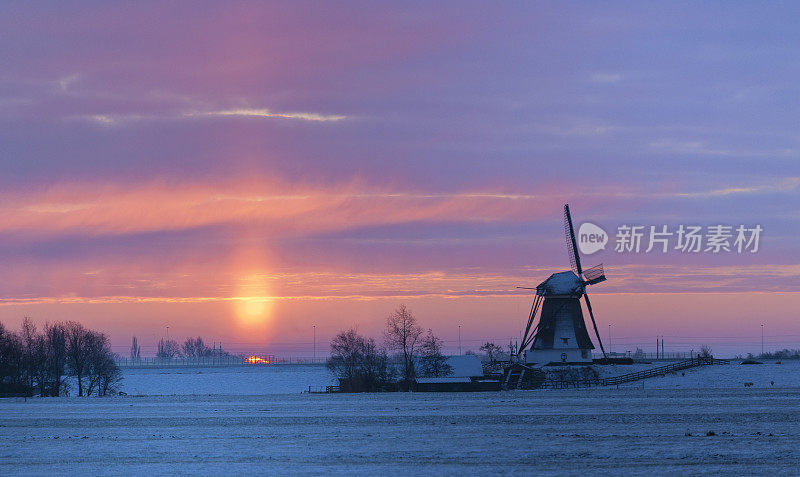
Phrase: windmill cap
(563, 283)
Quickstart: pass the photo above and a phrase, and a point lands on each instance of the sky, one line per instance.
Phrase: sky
(266, 174)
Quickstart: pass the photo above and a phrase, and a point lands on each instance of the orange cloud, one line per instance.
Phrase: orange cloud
(89, 208)
(277, 206)
(251, 288)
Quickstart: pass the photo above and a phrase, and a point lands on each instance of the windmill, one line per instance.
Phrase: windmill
(560, 336)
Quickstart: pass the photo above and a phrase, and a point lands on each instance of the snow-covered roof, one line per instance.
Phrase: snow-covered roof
(465, 365)
(563, 283)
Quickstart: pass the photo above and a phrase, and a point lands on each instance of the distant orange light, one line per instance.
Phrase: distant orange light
(253, 302)
(256, 360)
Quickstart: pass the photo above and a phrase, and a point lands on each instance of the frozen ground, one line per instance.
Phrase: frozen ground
(630, 430)
(732, 375)
(248, 380)
(283, 379)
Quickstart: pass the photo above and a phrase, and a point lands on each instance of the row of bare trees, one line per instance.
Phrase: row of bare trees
(40, 362)
(361, 365)
(191, 348)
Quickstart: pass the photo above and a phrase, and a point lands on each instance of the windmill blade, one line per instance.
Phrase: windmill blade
(531, 338)
(534, 307)
(572, 245)
(594, 323)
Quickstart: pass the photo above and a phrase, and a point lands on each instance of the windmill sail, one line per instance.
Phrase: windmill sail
(594, 323)
(572, 246)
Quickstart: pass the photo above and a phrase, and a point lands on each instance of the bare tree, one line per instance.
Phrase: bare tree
(346, 354)
(35, 357)
(358, 363)
(109, 373)
(402, 335)
(195, 348)
(103, 372)
(491, 350)
(97, 350)
(55, 344)
(168, 349)
(31, 358)
(376, 366)
(78, 351)
(136, 350)
(432, 362)
(12, 367)
(39, 354)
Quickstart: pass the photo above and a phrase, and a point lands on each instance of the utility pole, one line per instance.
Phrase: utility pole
(459, 339)
(762, 339)
(315, 343)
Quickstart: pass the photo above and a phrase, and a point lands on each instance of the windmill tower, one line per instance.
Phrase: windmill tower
(560, 336)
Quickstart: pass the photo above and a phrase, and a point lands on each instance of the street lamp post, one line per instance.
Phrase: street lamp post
(762, 339)
(166, 345)
(609, 338)
(315, 343)
(459, 339)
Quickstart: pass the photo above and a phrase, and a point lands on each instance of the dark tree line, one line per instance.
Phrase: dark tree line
(781, 354)
(40, 362)
(361, 365)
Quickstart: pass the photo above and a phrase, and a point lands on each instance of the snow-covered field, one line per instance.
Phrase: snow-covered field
(661, 428)
(732, 375)
(248, 380)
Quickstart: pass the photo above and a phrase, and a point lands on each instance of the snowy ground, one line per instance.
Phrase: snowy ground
(629, 430)
(732, 375)
(247, 380)
(288, 379)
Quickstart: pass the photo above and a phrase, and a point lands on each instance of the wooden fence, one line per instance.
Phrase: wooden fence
(662, 370)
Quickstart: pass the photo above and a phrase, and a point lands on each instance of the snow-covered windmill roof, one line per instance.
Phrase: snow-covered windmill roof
(563, 283)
